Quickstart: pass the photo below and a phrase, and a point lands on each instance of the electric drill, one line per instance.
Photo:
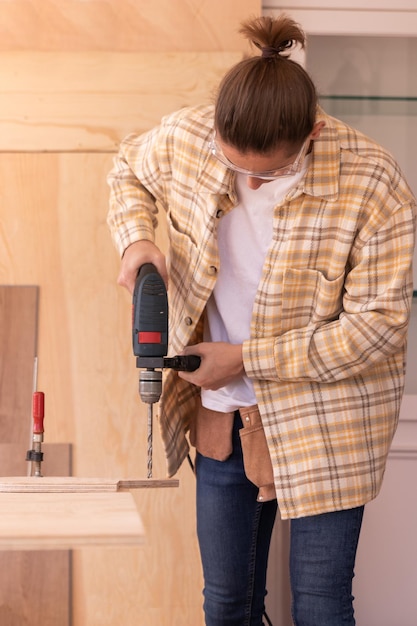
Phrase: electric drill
(150, 341)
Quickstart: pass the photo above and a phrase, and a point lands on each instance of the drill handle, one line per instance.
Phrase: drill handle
(183, 363)
(149, 314)
(180, 363)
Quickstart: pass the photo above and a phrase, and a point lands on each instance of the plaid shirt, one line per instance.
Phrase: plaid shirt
(328, 336)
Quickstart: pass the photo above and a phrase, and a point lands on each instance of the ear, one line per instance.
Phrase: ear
(315, 133)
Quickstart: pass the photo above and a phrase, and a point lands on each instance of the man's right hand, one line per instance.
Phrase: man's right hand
(136, 255)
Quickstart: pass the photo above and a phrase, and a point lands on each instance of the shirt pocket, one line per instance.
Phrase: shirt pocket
(308, 297)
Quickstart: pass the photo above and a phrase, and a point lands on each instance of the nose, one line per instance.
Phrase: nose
(254, 183)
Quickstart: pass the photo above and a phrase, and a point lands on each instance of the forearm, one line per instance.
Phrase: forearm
(135, 187)
(328, 352)
(131, 217)
(132, 222)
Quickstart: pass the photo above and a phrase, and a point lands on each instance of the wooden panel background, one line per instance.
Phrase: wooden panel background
(76, 76)
(35, 587)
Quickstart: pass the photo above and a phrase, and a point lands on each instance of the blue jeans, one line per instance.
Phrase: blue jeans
(234, 532)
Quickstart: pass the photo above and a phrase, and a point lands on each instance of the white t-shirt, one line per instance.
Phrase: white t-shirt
(244, 236)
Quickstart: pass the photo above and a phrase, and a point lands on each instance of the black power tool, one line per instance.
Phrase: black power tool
(150, 341)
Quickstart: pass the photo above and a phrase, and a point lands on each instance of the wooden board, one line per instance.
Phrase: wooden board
(18, 336)
(57, 459)
(40, 521)
(122, 24)
(47, 484)
(113, 94)
(35, 592)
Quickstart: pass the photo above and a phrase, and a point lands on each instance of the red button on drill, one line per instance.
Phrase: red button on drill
(149, 337)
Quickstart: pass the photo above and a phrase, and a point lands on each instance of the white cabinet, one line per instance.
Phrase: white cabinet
(358, 17)
(320, 5)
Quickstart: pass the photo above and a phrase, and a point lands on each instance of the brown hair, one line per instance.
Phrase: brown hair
(269, 100)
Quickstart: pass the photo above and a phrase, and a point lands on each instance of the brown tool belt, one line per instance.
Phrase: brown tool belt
(211, 435)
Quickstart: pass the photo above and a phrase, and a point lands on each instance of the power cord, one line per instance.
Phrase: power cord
(267, 619)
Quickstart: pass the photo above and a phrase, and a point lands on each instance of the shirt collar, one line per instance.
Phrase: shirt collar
(322, 178)
(215, 178)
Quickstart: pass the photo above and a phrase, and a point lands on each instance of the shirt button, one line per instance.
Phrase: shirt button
(212, 270)
(188, 321)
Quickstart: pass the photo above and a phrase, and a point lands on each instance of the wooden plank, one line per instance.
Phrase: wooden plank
(18, 335)
(47, 484)
(42, 521)
(148, 483)
(121, 24)
(79, 102)
(56, 461)
(35, 589)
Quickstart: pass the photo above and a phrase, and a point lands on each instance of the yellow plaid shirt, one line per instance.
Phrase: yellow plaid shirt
(329, 325)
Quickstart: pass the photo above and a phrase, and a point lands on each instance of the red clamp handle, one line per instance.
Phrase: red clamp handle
(38, 410)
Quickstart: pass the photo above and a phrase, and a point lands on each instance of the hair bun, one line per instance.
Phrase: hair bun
(269, 52)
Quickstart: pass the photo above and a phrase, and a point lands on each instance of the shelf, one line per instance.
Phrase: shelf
(369, 105)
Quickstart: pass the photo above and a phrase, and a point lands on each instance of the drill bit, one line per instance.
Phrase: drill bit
(150, 388)
(150, 447)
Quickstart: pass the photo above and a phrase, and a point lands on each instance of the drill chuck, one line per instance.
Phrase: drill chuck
(150, 386)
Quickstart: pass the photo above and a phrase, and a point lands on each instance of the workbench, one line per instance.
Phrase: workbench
(59, 513)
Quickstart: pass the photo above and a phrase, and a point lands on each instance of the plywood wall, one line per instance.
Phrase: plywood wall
(76, 76)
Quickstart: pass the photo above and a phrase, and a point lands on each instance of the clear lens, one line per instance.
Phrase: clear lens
(287, 170)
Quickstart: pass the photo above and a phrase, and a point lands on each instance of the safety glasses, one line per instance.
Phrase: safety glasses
(286, 170)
